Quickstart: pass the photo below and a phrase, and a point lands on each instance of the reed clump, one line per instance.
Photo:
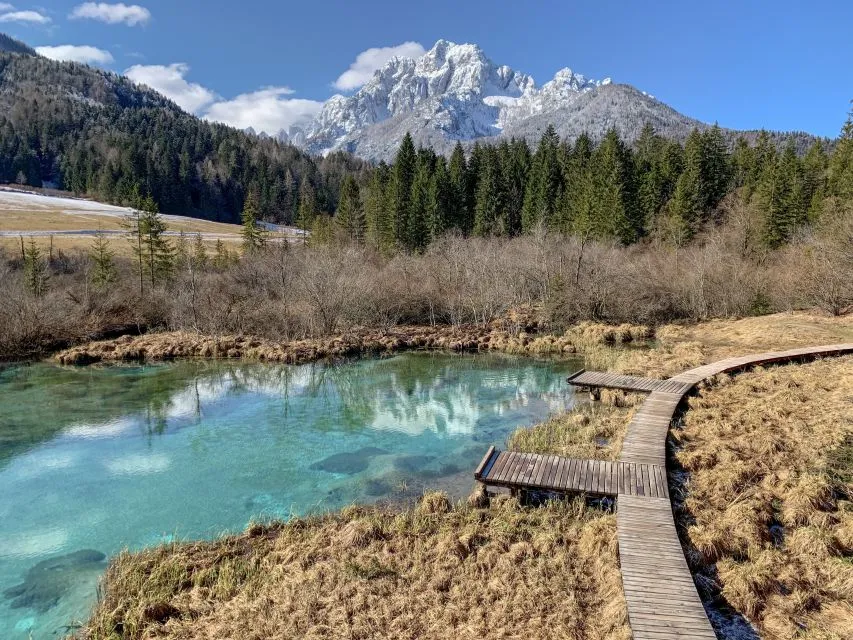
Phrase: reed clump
(433, 571)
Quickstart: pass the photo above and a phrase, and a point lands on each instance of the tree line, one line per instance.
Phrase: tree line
(608, 190)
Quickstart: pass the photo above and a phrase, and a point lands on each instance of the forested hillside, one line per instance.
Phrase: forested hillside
(96, 133)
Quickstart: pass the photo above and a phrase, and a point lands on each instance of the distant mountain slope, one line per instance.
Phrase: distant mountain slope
(11, 45)
(455, 93)
(95, 132)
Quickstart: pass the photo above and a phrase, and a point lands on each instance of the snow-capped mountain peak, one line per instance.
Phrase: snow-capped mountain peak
(453, 92)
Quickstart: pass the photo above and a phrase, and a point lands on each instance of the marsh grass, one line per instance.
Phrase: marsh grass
(433, 571)
(767, 507)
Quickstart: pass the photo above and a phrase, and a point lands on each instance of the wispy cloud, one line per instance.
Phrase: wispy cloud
(5, 6)
(32, 17)
(120, 13)
(368, 61)
(267, 110)
(76, 53)
(171, 82)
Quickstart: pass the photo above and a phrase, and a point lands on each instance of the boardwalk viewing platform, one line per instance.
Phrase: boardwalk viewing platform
(659, 590)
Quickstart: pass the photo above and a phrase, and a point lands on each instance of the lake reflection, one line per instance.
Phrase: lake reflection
(95, 459)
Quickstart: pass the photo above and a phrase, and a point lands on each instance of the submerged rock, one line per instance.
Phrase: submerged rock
(348, 463)
(412, 464)
(47, 581)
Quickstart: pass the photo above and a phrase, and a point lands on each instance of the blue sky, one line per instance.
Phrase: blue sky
(784, 64)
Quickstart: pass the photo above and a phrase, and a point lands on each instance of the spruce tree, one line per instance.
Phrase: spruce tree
(181, 251)
(840, 180)
(157, 257)
(814, 175)
(487, 203)
(35, 269)
(417, 232)
(400, 190)
(104, 271)
(686, 205)
(350, 215)
(254, 236)
(380, 223)
(716, 174)
(308, 208)
(438, 201)
(221, 256)
(545, 184)
(615, 210)
(199, 257)
(458, 187)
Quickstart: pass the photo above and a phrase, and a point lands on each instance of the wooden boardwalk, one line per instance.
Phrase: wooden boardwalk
(659, 591)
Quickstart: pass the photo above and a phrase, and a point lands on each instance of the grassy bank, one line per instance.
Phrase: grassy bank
(768, 506)
(429, 572)
(496, 336)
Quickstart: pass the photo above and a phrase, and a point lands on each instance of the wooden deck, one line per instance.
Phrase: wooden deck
(533, 472)
(598, 380)
(659, 591)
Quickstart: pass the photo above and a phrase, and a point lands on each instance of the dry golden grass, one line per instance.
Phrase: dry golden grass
(83, 244)
(434, 571)
(768, 499)
(590, 431)
(182, 344)
(70, 220)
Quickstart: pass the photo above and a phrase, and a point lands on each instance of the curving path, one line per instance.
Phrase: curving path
(662, 599)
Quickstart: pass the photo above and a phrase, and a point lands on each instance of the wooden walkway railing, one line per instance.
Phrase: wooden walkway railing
(659, 590)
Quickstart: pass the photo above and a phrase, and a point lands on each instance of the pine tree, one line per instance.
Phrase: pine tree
(104, 271)
(350, 215)
(254, 237)
(400, 190)
(35, 269)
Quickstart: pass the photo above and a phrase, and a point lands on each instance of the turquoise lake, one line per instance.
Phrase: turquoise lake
(96, 459)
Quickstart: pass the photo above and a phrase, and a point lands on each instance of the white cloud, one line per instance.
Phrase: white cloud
(25, 16)
(367, 62)
(264, 110)
(130, 15)
(76, 53)
(169, 80)
(5, 7)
